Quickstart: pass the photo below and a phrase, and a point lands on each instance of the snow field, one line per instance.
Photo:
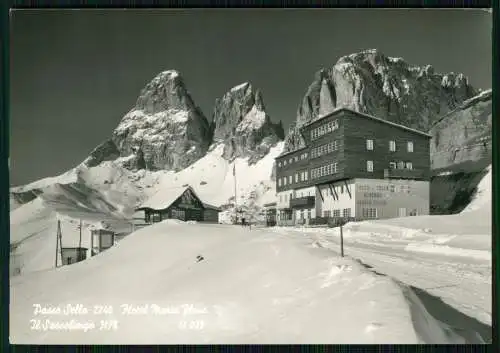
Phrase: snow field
(251, 287)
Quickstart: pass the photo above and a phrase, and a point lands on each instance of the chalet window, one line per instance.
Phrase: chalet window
(410, 146)
(346, 212)
(305, 155)
(336, 213)
(335, 167)
(409, 165)
(369, 166)
(284, 181)
(296, 158)
(335, 145)
(392, 165)
(309, 214)
(401, 165)
(279, 181)
(392, 146)
(290, 161)
(284, 162)
(279, 164)
(290, 180)
(326, 214)
(296, 177)
(305, 174)
(369, 145)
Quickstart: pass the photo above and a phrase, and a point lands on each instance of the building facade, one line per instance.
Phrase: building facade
(354, 166)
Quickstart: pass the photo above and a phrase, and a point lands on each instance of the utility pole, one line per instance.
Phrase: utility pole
(80, 241)
(58, 241)
(341, 238)
(235, 200)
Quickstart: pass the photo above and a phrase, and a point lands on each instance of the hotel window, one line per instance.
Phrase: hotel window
(296, 158)
(279, 181)
(369, 213)
(346, 212)
(284, 181)
(410, 146)
(309, 214)
(369, 166)
(284, 162)
(392, 165)
(326, 214)
(336, 213)
(279, 164)
(392, 146)
(306, 174)
(290, 161)
(369, 145)
(401, 165)
(409, 165)
(296, 177)
(290, 180)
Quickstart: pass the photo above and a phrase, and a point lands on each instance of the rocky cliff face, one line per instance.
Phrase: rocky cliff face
(164, 130)
(461, 140)
(241, 123)
(386, 87)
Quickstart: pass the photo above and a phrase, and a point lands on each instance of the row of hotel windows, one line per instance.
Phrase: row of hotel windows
(324, 129)
(293, 159)
(324, 149)
(392, 165)
(346, 212)
(392, 146)
(328, 169)
(302, 176)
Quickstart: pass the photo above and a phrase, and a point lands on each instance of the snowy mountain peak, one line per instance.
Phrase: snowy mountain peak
(241, 123)
(164, 130)
(241, 86)
(390, 88)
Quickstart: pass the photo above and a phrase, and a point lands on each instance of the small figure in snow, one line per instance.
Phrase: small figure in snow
(199, 258)
(243, 222)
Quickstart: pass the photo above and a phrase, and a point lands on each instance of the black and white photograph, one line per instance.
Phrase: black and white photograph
(250, 176)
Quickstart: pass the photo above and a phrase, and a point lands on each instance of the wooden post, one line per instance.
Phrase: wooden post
(341, 239)
(57, 242)
(80, 241)
(91, 244)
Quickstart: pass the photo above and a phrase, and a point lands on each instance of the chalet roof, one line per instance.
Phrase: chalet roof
(164, 198)
(212, 207)
(337, 110)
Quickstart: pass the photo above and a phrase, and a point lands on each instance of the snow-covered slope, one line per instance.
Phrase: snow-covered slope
(481, 201)
(196, 283)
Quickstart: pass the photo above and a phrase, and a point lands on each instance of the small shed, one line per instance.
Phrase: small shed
(270, 213)
(101, 239)
(71, 255)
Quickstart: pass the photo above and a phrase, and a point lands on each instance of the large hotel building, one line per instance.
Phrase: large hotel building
(356, 166)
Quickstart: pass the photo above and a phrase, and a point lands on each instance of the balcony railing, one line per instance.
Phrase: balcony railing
(306, 201)
(404, 173)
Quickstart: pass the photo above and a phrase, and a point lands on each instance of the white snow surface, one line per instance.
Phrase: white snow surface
(250, 287)
(482, 198)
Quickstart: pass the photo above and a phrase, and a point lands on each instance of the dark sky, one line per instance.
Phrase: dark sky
(75, 73)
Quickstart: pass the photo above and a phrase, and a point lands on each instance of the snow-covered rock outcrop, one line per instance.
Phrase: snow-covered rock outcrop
(461, 140)
(164, 130)
(386, 87)
(241, 123)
